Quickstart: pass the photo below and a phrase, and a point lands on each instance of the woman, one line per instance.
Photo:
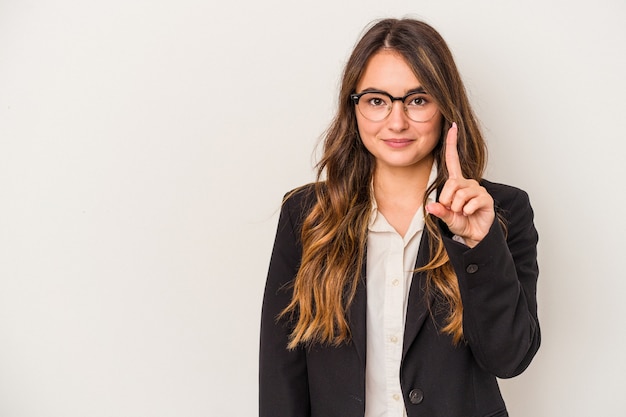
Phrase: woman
(403, 283)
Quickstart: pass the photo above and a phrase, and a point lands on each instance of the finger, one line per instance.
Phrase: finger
(466, 192)
(438, 210)
(471, 199)
(446, 196)
(452, 154)
(480, 204)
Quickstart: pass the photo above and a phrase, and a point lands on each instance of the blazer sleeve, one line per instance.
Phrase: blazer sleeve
(498, 282)
(283, 382)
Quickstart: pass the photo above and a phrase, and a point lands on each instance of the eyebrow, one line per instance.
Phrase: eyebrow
(416, 90)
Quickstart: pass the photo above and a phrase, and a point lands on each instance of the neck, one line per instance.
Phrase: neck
(405, 183)
(400, 192)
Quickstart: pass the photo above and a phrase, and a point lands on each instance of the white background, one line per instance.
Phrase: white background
(145, 147)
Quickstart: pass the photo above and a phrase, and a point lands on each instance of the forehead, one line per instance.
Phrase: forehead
(387, 70)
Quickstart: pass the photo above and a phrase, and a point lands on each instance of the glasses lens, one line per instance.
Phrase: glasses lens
(374, 106)
(420, 107)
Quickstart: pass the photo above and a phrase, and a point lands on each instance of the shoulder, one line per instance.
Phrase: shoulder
(506, 196)
(512, 204)
(304, 197)
(303, 193)
(298, 202)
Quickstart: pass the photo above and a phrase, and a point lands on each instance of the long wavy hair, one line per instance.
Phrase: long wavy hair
(334, 233)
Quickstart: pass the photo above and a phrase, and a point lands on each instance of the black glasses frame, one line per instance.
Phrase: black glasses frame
(356, 97)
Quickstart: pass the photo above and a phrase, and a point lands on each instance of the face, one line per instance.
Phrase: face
(396, 141)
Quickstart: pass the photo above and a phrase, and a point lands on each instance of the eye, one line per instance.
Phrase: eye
(418, 100)
(375, 100)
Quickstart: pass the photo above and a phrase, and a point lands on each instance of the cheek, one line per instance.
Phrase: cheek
(366, 134)
(366, 128)
(435, 129)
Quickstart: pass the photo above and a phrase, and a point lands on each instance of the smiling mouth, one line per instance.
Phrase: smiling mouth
(397, 140)
(398, 143)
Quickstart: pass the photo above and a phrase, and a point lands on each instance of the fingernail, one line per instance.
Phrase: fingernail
(454, 125)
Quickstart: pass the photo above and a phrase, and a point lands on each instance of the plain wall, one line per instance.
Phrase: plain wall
(145, 147)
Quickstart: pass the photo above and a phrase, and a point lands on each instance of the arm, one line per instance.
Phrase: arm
(497, 276)
(497, 280)
(283, 383)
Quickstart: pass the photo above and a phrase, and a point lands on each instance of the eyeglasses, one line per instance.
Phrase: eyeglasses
(375, 106)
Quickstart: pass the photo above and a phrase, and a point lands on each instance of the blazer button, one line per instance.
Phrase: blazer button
(416, 396)
(471, 268)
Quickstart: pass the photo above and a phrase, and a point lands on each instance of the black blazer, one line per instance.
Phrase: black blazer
(497, 281)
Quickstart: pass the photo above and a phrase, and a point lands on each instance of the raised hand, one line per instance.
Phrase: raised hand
(465, 206)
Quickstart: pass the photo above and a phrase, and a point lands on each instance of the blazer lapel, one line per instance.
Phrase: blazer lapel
(417, 308)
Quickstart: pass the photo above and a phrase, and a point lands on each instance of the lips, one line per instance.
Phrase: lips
(398, 143)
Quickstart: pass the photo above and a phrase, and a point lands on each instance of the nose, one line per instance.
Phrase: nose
(397, 119)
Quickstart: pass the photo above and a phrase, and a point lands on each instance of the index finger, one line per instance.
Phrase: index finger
(452, 154)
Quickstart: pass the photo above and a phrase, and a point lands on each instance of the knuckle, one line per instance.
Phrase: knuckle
(464, 193)
(452, 183)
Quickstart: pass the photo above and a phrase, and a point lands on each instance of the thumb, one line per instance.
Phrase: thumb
(438, 210)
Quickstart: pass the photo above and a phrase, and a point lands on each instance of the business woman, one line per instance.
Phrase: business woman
(401, 283)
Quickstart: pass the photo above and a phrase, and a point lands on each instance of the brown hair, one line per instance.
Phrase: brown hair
(334, 233)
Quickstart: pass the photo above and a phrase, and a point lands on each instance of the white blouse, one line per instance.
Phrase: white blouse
(390, 265)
